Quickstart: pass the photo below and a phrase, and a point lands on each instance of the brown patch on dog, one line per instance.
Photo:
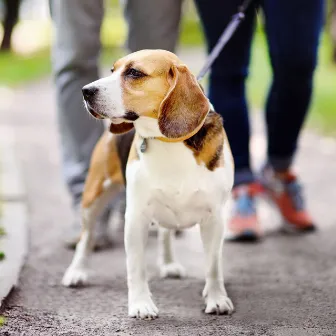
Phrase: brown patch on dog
(121, 128)
(166, 91)
(105, 164)
(207, 143)
(144, 95)
(185, 106)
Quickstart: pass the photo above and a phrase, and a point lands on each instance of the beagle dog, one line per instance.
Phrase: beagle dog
(170, 149)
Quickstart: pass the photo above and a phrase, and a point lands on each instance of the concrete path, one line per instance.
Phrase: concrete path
(282, 286)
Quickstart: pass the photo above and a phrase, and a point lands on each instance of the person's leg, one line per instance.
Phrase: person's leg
(227, 94)
(293, 30)
(227, 78)
(152, 24)
(75, 55)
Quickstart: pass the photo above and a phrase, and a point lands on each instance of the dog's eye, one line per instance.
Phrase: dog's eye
(133, 73)
(112, 69)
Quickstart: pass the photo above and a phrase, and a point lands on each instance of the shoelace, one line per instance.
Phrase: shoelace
(294, 190)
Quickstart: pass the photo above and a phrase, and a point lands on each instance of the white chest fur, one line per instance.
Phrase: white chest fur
(168, 186)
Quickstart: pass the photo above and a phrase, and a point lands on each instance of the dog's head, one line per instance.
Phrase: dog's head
(152, 89)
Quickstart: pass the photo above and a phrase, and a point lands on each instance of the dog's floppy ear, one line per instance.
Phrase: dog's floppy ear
(121, 128)
(185, 106)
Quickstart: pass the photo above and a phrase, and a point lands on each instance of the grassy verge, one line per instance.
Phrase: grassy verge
(2, 320)
(18, 69)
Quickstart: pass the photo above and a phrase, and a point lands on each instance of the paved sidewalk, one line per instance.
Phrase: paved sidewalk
(283, 286)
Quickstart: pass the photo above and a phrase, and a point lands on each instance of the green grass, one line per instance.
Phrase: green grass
(2, 320)
(324, 100)
(191, 32)
(18, 69)
(2, 230)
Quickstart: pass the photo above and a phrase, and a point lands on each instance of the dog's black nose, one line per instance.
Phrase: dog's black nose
(89, 91)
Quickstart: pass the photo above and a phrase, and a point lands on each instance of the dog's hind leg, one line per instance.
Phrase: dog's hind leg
(169, 267)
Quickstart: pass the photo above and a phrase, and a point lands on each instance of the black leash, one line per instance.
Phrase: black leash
(225, 37)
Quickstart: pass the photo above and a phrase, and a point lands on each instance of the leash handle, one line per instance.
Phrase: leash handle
(224, 38)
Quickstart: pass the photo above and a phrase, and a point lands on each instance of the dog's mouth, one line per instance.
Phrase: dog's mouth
(100, 116)
(92, 111)
(94, 114)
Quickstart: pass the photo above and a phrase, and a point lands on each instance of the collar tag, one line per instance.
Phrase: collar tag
(143, 146)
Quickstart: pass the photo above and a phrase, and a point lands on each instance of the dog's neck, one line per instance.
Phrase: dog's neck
(148, 128)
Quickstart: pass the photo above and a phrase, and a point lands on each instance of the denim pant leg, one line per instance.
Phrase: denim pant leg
(293, 30)
(227, 78)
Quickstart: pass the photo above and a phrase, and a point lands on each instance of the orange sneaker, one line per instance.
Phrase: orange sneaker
(286, 193)
(243, 224)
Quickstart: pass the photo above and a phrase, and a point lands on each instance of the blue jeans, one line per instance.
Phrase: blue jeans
(293, 30)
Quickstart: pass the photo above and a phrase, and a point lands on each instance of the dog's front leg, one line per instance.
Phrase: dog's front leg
(140, 303)
(214, 292)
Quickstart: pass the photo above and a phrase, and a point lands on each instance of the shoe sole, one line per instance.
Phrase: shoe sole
(246, 236)
(290, 228)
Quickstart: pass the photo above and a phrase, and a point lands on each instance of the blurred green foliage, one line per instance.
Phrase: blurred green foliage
(2, 320)
(17, 69)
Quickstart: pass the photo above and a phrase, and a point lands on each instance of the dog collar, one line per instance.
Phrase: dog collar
(144, 144)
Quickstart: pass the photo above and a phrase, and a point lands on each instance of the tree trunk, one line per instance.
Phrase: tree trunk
(10, 19)
(333, 28)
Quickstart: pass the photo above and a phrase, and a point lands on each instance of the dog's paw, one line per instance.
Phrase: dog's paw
(143, 309)
(75, 277)
(172, 270)
(218, 304)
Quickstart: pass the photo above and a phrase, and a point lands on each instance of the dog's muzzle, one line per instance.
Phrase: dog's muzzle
(88, 94)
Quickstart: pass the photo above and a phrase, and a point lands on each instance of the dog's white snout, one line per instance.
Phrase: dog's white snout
(105, 96)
